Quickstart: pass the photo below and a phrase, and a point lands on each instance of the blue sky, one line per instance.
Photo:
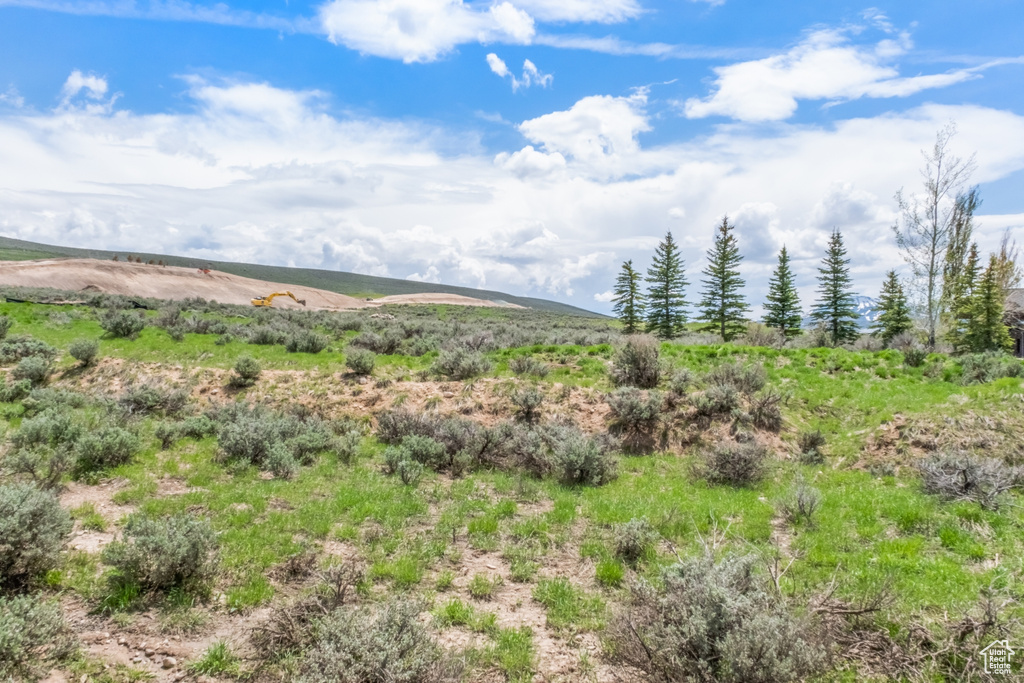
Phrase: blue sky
(519, 145)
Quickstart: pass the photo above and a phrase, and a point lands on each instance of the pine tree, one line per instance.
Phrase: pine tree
(628, 303)
(834, 308)
(723, 304)
(960, 241)
(666, 305)
(987, 331)
(894, 317)
(782, 310)
(960, 291)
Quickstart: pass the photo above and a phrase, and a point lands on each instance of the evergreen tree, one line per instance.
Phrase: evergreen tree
(723, 304)
(987, 331)
(834, 308)
(628, 303)
(782, 310)
(960, 240)
(894, 317)
(960, 291)
(666, 305)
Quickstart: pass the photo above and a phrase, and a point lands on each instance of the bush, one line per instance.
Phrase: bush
(802, 504)
(528, 365)
(637, 363)
(265, 335)
(35, 369)
(409, 471)
(581, 460)
(736, 464)
(380, 646)
(634, 540)
(360, 361)
(346, 446)
(811, 446)
(33, 638)
(247, 371)
(527, 402)
(962, 476)
(757, 334)
(914, 357)
(718, 399)
(766, 411)
(978, 368)
(123, 323)
(106, 448)
(461, 363)
(248, 437)
(636, 417)
(746, 379)
(14, 392)
(385, 345)
(33, 529)
(50, 428)
(16, 348)
(715, 621)
(84, 351)
(147, 398)
(307, 341)
(43, 465)
(5, 326)
(161, 553)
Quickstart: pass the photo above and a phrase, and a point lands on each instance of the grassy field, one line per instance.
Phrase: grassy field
(515, 567)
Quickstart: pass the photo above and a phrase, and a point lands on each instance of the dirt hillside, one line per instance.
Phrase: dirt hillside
(171, 282)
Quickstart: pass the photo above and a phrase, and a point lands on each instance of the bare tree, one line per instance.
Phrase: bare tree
(924, 223)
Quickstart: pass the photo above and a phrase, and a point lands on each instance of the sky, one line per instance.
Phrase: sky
(524, 146)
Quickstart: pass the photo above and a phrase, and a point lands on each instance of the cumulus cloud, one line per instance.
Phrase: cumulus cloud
(257, 173)
(605, 296)
(421, 30)
(594, 131)
(824, 66)
(531, 74)
(12, 98)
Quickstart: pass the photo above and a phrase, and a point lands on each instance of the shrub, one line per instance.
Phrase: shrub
(148, 398)
(43, 465)
(636, 416)
(247, 371)
(757, 334)
(811, 446)
(346, 446)
(14, 392)
(714, 621)
(962, 476)
(388, 644)
(681, 382)
(746, 379)
(281, 463)
(527, 402)
(385, 345)
(637, 362)
(247, 436)
(35, 369)
(307, 341)
(84, 351)
(33, 637)
(105, 448)
(528, 365)
(461, 363)
(161, 553)
(16, 348)
(409, 471)
(5, 326)
(802, 504)
(580, 459)
(736, 464)
(634, 540)
(978, 368)
(766, 411)
(914, 357)
(718, 399)
(394, 425)
(33, 529)
(265, 335)
(123, 323)
(360, 361)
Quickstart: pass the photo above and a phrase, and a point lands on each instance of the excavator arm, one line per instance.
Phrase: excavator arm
(267, 301)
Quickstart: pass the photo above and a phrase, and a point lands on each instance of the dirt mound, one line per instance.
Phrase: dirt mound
(171, 282)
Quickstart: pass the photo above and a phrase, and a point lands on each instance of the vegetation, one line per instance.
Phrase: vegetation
(666, 280)
(782, 309)
(629, 303)
(723, 305)
(893, 311)
(834, 308)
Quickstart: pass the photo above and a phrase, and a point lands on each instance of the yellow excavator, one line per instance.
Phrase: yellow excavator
(268, 300)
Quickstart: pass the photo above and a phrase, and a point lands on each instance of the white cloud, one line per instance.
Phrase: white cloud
(421, 30)
(259, 174)
(605, 296)
(596, 130)
(601, 11)
(824, 66)
(531, 74)
(12, 98)
(432, 275)
(712, 3)
(95, 87)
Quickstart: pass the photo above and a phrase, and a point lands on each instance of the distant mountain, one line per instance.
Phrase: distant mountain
(350, 284)
(866, 307)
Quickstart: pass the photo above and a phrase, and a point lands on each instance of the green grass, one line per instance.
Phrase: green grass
(218, 660)
(569, 607)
